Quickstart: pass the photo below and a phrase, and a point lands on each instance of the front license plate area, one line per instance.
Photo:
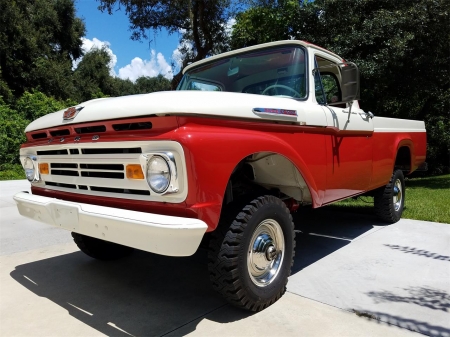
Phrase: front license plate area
(65, 216)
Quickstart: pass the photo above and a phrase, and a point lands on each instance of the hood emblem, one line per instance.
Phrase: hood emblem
(71, 113)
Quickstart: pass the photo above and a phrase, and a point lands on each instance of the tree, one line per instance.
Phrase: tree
(92, 76)
(401, 47)
(201, 23)
(38, 41)
(266, 21)
(147, 84)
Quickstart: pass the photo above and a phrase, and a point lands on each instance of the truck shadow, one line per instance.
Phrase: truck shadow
(151, 295)
(141, 295)
(323, 231)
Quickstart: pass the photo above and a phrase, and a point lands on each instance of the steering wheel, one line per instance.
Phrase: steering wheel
(283, 87)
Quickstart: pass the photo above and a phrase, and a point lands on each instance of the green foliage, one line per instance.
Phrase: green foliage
(269, 22)
(11, 172)
(14, 120)
(92, 76)
(36, 104)
(12, 126)
(38, 41)
(151, 84)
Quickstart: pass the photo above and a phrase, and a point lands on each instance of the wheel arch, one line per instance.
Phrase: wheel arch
(215, 152)
(270, 171)
(404, 156)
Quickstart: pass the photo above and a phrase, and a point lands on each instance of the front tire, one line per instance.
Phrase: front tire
(100, 249)
(251, 253)
(389, 200)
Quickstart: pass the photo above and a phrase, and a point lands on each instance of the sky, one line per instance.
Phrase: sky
(129, 59)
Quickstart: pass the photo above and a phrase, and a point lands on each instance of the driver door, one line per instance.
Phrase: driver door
(349, 140)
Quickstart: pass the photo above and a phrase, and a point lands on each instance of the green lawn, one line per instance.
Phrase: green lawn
(426, 199)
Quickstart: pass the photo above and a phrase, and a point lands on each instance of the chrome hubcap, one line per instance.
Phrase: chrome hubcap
(398, 196)
(265, 252)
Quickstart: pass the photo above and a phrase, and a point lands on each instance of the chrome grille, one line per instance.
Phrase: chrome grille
(97, 169)
(100, 168)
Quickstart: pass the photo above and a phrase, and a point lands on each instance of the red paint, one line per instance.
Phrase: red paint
(160, 125)
(334, 164)
(385, 149)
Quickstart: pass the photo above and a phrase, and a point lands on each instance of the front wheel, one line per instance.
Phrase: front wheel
(389, 200)
(251, 253)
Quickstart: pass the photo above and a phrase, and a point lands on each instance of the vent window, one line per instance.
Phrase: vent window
(132, 126)
(57, 133)
(40, 135)
(90, 129)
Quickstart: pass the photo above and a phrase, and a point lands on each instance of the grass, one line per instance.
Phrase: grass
(11, 172)
(426, 199)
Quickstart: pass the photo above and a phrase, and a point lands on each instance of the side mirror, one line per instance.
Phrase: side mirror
(350, 81)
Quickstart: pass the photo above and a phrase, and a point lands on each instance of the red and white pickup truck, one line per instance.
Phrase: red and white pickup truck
(248, 137)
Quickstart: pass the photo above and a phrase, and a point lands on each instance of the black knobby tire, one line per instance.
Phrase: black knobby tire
(229, 253)
(100, 249)
(389, 200)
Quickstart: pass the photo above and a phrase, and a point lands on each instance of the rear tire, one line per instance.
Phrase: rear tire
(251, 253)
(389, 200)
(100, 249)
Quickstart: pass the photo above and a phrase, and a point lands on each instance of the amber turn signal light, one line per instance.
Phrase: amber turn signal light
(43, 168)
(134, 171)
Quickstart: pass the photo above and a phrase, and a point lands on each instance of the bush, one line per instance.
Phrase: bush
(13, 122)
(36, 104)
(12, 126)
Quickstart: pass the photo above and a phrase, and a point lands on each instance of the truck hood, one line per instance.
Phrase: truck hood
(223, 104)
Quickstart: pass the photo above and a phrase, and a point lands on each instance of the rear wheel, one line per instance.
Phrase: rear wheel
(100, 249)
(251, 253)
(389, 200)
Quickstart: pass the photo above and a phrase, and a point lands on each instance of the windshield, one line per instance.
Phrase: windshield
(276, 71)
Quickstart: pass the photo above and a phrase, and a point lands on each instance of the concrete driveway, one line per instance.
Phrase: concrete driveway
(351, 277)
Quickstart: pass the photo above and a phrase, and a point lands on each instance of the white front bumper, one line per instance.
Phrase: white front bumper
(160, 234)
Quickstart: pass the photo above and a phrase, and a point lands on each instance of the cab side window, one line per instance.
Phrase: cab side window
(331, 88)
(326, 81)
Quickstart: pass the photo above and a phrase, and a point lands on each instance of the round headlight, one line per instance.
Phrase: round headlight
(30, 170)
(158, 174)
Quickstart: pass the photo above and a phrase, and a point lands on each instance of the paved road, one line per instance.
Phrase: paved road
(348, 269)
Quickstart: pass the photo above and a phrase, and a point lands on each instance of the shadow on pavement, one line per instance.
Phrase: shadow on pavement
(431, 298)
(148, 294)
(409, 324)
(142, 295)
(420, 252)
(322, 231)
